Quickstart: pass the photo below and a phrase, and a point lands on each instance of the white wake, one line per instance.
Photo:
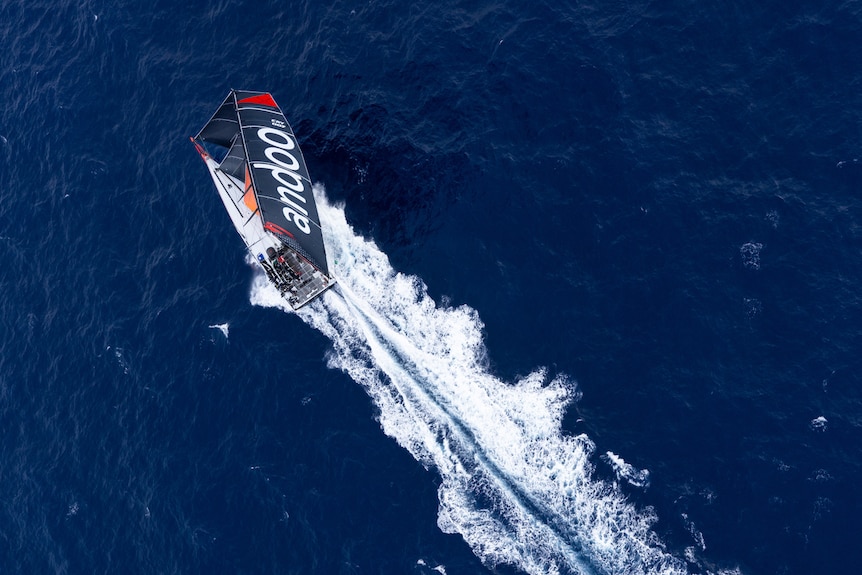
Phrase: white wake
(514, 486)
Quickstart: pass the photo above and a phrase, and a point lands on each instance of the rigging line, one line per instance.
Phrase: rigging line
(251, 216)
(221, 175)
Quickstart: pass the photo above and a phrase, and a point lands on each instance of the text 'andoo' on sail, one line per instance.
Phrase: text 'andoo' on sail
(259, 172)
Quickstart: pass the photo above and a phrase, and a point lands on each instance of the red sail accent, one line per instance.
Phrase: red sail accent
(263, 99)
(274, 228)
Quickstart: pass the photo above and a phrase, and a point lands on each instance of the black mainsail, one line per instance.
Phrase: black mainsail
(264, 183)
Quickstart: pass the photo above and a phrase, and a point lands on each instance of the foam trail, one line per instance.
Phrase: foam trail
(516, 488)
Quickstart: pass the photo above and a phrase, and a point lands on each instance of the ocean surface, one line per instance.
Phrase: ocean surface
(598, 308)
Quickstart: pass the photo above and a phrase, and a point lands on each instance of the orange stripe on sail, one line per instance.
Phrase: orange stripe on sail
(249, 198)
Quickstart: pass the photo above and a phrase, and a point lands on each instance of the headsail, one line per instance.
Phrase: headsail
(261, 150)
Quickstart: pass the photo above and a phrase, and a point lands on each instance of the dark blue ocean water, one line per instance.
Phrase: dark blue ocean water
(598, 312)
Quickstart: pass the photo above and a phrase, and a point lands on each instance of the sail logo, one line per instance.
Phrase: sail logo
(282, 166)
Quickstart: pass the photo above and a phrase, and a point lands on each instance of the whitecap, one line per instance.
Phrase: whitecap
(120, 356)
(750, 253)
(222, 327)
(820, 476)
(439, 568)
(696, 534)
(626, 471)
(818, 424)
